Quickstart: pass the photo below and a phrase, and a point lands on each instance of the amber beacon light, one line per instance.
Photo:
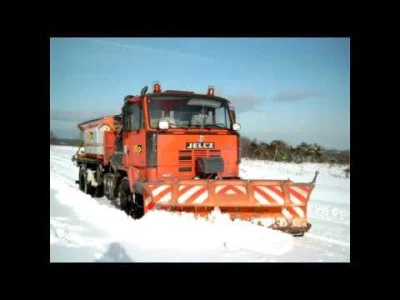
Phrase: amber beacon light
(156, 87)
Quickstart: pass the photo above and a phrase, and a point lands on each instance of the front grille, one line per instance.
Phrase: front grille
(187, 158)
(214, 153)
(200, 153)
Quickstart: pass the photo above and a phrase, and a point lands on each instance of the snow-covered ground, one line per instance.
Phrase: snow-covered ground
(85, 229)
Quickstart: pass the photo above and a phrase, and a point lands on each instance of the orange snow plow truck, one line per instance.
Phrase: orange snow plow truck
(180, 151)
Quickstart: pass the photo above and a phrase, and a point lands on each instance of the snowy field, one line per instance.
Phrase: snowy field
(84, 229)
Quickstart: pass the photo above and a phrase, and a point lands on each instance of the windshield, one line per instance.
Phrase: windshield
(189, 112)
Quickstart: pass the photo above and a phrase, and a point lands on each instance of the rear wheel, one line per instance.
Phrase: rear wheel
(81, 179)
(109, 187)
(86, 186)
(98, 191)
(88, 189)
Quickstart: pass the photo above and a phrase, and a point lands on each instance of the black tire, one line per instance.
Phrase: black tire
(125, 195)
(88, 189)
(136, 209)
(81, 179)
(109, 187)
(131, 203)
(98, 191)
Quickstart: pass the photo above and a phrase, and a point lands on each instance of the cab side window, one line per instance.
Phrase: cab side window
(133, 116)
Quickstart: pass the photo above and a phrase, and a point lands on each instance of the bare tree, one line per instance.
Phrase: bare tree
(245, 146)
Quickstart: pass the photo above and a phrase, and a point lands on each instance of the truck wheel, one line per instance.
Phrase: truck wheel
(132, 204)
(125, 195)
(88, 187)
(99, 191)
(109, 187)
(136, 209)
(81, 179)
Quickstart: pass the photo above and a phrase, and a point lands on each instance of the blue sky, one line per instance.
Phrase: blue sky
(293, 89)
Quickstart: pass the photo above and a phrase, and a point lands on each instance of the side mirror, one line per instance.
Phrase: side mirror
(236, 126)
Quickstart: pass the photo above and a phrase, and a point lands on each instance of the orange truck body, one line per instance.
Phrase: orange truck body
(180, 167)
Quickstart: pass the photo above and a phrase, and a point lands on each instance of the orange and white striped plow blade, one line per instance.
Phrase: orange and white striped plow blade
(282, 204)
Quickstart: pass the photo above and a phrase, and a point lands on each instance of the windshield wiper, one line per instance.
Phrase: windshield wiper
(218, 125)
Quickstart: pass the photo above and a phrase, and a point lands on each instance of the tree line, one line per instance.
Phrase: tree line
(278, 150)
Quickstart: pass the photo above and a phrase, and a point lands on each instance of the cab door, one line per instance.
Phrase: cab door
(134, 135)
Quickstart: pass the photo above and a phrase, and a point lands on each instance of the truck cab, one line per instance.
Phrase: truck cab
(176, 134)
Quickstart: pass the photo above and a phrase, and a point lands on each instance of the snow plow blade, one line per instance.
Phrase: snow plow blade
(277, 204)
